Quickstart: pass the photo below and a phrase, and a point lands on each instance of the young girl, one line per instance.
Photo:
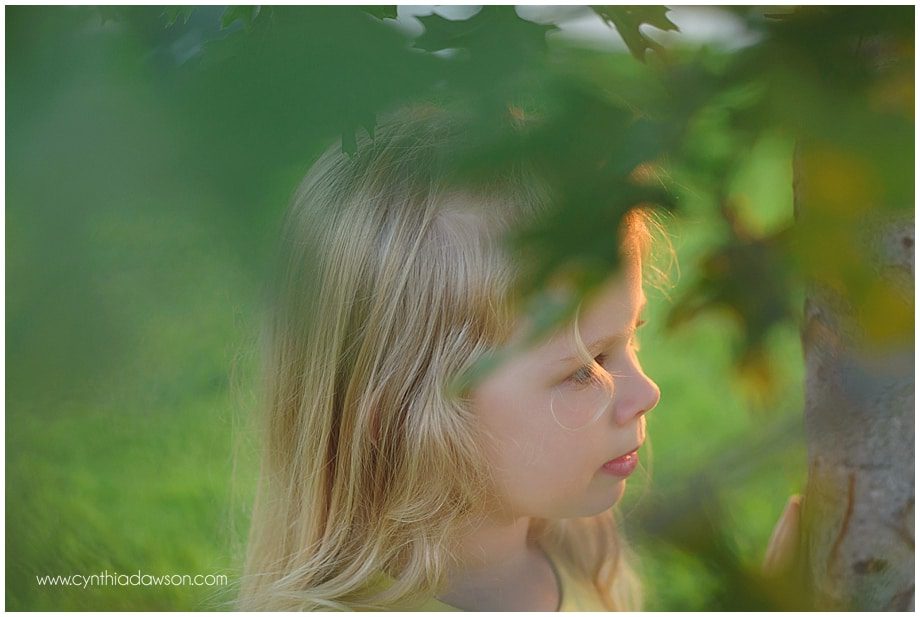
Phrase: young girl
(384, 485)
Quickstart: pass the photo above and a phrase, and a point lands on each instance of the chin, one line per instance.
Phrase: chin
(602, 497)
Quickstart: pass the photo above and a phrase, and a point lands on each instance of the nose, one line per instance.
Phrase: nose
(638, 396)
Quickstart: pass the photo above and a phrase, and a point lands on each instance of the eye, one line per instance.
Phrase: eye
(584, 375)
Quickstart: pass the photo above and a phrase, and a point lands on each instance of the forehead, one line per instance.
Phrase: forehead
(621, 294)
(608, 309)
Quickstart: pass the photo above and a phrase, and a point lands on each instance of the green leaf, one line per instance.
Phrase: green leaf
(381, 11)
(751, 279)
(368, 120)
(349, 143)
(628, 19)
(173, 13)
(245, 14)
(113, 13)
(491, 29)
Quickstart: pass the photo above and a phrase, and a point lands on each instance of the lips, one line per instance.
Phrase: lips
(625, 454)
(622, 466)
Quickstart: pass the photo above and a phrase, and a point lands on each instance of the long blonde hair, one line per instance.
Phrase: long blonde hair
(391, 282)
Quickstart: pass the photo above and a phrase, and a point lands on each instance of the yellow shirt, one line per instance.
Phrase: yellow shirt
(576, 594)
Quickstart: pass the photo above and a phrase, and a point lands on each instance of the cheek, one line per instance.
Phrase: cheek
(533, 457)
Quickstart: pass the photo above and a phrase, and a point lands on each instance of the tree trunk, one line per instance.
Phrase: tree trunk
(858, 512)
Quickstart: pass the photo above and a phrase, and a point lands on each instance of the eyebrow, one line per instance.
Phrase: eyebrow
(609, 339)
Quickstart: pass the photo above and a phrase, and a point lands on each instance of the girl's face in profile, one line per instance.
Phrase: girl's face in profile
(541, 409)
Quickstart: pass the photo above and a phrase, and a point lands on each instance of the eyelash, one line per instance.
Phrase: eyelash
(600, 359)
(586, 369)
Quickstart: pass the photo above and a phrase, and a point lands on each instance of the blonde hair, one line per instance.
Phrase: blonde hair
(393, 280)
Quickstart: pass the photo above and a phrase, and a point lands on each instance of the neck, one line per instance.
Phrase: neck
(494, 545)
(497, 568)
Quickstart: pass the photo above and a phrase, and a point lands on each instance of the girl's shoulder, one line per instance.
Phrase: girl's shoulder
(381, 581)
(576, 594)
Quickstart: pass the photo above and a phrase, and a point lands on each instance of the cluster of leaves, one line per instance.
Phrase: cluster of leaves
(293, 76)
(628, 19)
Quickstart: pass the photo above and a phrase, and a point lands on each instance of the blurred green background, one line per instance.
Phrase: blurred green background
(142, 208)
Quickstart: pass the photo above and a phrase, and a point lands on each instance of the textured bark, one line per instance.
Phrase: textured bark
(858, 513)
